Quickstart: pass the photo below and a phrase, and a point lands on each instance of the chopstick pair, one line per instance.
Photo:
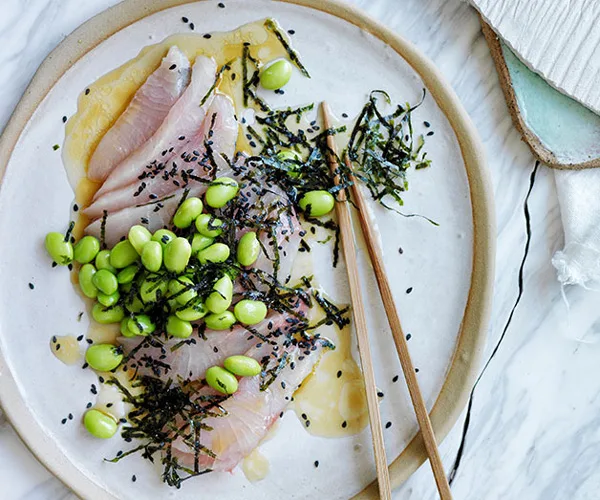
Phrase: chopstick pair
(349, 251)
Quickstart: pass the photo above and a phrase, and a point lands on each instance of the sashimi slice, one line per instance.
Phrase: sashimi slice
(220, 128)
(183, 121)
(143, 116)
(154, 216)
(247, 415)
(192, 360)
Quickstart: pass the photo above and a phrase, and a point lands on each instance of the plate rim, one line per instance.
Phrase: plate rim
(466, 360)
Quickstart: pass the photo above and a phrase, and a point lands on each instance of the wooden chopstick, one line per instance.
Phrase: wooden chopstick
(401, 346)
(360, 324)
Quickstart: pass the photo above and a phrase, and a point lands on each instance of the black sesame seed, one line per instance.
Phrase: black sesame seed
(85, 365)
(64, 119)
(307, 423)
(63, 421)
(31, 286)
(304, 417)
(185, 19)
(87, 91)
(89, 405)
(70, 267)
(133, 478)
(55, 147)
(192, 26)
(400, 251)
(409, 289)
(430, 133)
(57, 347)
(70, 416)
(427, 124)
(89, 341)
(281, 415)
(388, 425)
(80, 338)
(344, 424)
(339, 373)
(173, 66)
(291, 32)
(395, 379)
(109, 405)
(221, 5)
(344, 115)
(207, 35)
(416, 370)
(379, 394)
(101, 379)
(316, 463)
(54, 264)
(408, 336)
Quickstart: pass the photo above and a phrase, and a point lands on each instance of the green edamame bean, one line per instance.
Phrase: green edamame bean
(103, 261)
(217, 252)
(99, 424)
(291, 156)
(243, 366)
(86, 283)
(163, 236)
(317, 203)
(221, 380)
(187, 212)
(182, 287)
(200, 242)
(192, 313)
(86, 249)
(105, 281)
(250, 312)
(138, 236)
(60, 250)
(107, 315)
(276, 75)
(152, 256)
(104, 357)
(221, 191)
(153, 288)
(125, 331)
(177, 255)
(178, 327)
(208, 225)
(220, 299)
(126, 275)
(108, 300)
(123, 254)
(220, 321)
(141, 324)
(248, 249)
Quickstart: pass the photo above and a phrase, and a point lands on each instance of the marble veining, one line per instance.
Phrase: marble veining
(534, 417)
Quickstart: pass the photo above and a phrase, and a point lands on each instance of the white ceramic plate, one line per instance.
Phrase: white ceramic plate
(449, 267)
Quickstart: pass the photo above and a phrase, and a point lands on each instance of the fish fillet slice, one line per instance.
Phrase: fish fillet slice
(143, 116)
(162, 182)
(183, 121)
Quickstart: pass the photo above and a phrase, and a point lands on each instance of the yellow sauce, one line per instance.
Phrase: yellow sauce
(255, 466)
(67, 349)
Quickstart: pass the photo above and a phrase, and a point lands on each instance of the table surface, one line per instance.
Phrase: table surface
(533, 422)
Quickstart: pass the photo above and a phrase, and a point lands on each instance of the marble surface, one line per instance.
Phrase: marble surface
(532, 430)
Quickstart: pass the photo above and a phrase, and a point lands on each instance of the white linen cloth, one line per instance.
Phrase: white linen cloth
(579, 198)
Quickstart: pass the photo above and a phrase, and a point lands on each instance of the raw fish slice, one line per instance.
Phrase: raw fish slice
(183, 121)
(191, 361)
(220, 119)
(250, 412)
(155, 215)
(143, 116)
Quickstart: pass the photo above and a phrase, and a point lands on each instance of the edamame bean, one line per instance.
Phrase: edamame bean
(209, 225)
(125, 328)
(163, 236)
(182, 287)
(153, 288)
(248, 249)
(108, 300)
(152, 256)
(86, 283)
(178, 327)
(187, 212)
(60, 250)
(86, 249)
(220, 321)
(177, 255)
(317, 203)
(103, 261)
(291, 156)
(218, 252)
(138, 236)
(99, 424)
(192, 313)
(104, 357)
(221, 380)
(107, 315)
(221, 191)
(250, 312)
(141, 324)
(243, 366)
(105, 281)
(200, 242)
(123, 254)
(220, 299)
(276, 75)
(126, 275)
